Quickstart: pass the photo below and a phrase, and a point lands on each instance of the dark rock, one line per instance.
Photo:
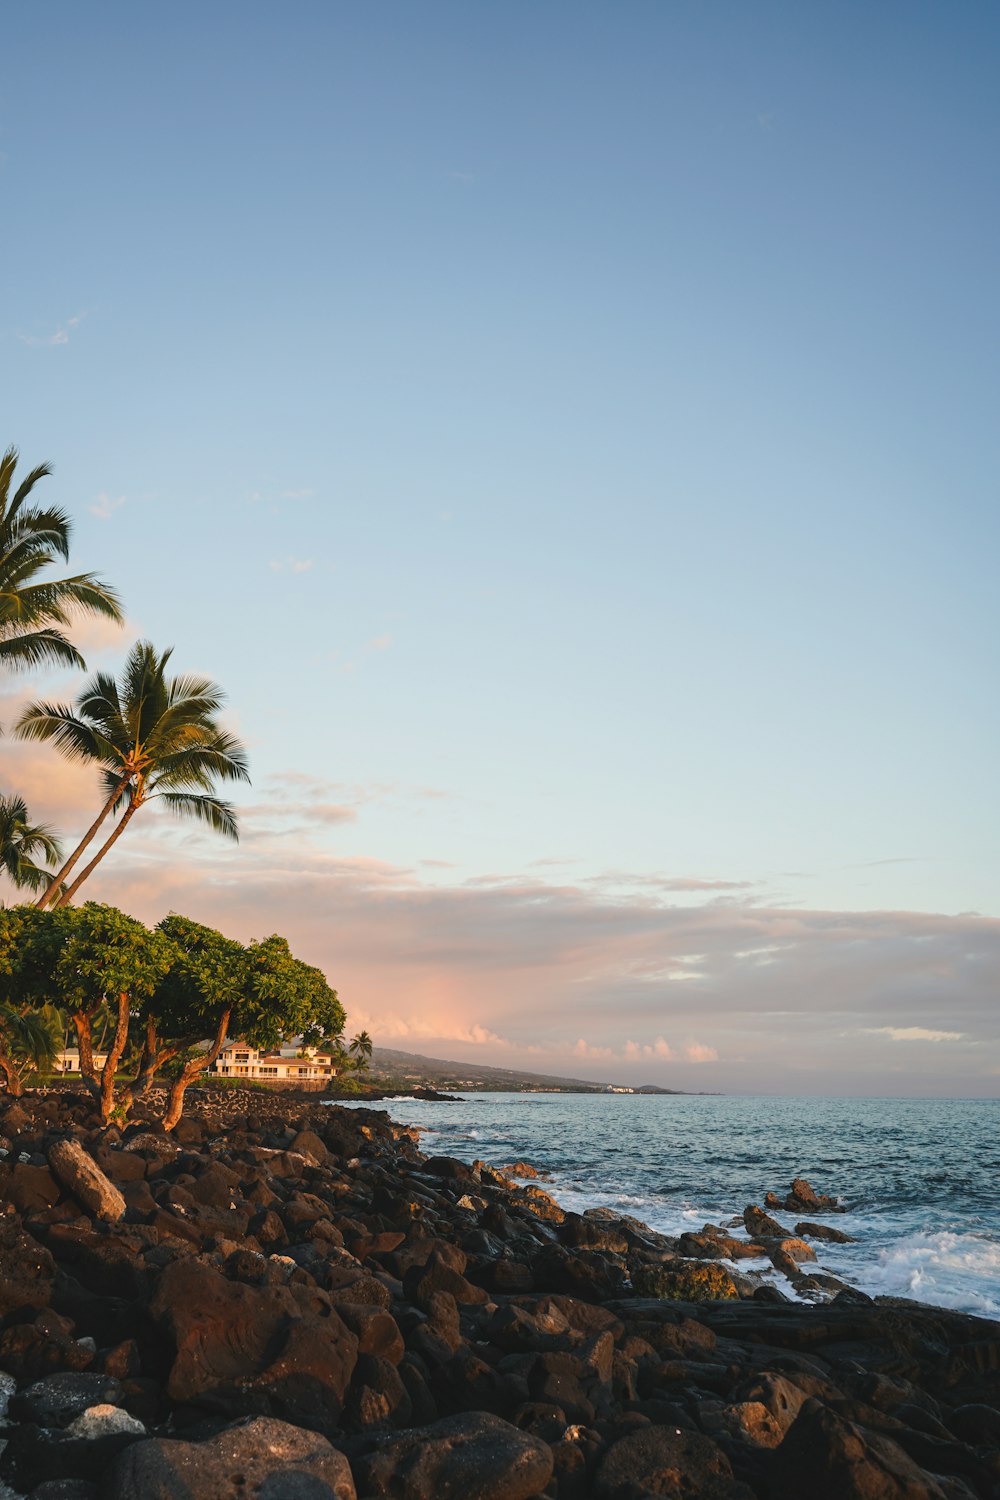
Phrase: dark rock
(64, 1489)
(262, 1458)
(829, 1458)
(477, 1457)
(671, 1462)
(241, 1349)
(80, 1174)
(58, 1399)
(976, 1423)
(760, 1225)
(31, 1189)
(26, 1270)
(448, 1167)
(824, 1232)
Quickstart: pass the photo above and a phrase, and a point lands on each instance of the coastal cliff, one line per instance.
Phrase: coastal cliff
(285, 1299)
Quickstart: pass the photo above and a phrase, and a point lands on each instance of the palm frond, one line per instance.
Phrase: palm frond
(39, 648)
(219, 815)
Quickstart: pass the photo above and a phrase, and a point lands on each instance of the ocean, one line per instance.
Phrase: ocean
(920, 1178)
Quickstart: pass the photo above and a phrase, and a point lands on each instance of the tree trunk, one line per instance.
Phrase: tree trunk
(52, 889)
(154, 1058)
(113, 1058)
(191, 1070)
(15, 1083)
(149, 1062)
(120, 827)
(85, 1042)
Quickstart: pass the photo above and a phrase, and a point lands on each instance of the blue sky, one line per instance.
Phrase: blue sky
(568, 432)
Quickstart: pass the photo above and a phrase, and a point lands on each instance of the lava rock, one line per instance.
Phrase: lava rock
(476, 1456)
(263, 1458)
(80, 1174)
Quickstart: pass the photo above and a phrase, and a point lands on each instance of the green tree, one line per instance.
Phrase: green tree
(152, 736)
(21, 845)
(104, 957)
(260, 993)
(361, 1050)
(27, 1037)
(34, 609)
(192, 1005)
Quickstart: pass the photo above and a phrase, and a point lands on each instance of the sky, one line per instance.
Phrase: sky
(568, 433)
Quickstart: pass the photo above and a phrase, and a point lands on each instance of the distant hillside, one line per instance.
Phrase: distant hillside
(409, 1069)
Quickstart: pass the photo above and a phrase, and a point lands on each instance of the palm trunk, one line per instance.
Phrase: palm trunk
(113, 1058)
(122, 824)
(52, 888)
(190, 1071)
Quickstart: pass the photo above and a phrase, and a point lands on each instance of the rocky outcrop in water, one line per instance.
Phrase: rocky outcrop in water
(294, 1301)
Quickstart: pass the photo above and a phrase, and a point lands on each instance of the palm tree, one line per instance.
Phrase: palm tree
(152, 736)
(28, 1040)
(33, 609)
(22, 842)
(361, 1049)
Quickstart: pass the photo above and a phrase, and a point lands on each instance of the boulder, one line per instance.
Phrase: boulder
(685, 1281)
(263, 1458)
(824, 1232)
(58, 1399)
(26, 1270)
(80, 1174)
(671, 1462)
(242, 1349)
(827, 1458)
(760, 1225)
(476, 1456)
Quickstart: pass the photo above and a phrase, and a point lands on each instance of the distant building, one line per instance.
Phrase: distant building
(289, 1064)
(305, 1067)
(618, 1088)
(68, 1060)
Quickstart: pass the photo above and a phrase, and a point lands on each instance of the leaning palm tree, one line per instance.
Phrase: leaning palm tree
(33, 608)
(22, 843)
(152, 736)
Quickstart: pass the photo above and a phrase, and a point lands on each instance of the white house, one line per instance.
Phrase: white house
(290, 1064)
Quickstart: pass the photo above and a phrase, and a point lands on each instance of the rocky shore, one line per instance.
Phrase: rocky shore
(288, 1301)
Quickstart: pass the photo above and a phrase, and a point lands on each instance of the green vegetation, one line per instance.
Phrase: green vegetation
(22, 842)
(151, 736)
(33, 608)
(183, 985)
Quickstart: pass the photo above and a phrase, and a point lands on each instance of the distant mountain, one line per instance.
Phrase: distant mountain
(411, 1070)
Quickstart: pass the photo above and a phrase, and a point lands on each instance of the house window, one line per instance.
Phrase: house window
(242, 1057)
(269, 1072)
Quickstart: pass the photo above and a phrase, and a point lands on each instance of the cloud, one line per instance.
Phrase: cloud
(914, 1034)
(378, 643)
(584, 1049)
(527, 967)
(105, 505)
(60, 336)
(291, 565)
(697, 1052)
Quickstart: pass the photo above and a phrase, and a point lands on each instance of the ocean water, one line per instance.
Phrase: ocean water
(920, 1178)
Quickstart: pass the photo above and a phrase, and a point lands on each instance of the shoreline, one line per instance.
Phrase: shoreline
(308, 1268)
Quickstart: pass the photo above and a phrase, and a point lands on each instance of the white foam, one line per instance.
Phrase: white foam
(940, 1267)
